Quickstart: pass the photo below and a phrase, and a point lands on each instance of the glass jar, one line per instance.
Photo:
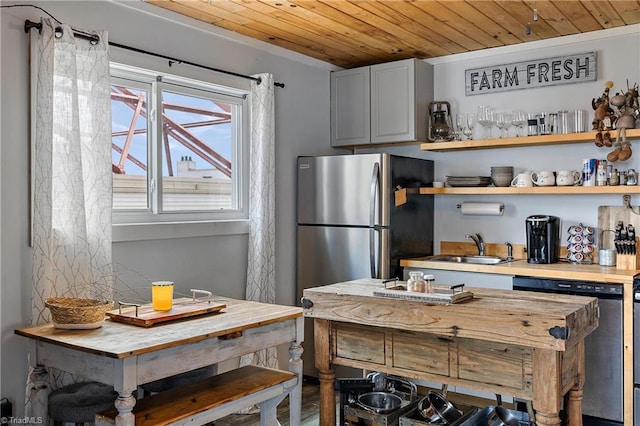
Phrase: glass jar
(429, 282)
(416, 283)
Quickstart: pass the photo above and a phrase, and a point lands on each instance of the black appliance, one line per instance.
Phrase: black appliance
(543, 239)
(602, 402)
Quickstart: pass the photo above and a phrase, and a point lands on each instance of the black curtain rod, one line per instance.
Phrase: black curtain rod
(92, 38)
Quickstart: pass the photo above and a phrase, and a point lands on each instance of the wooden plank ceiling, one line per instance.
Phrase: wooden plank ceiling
(351, 33)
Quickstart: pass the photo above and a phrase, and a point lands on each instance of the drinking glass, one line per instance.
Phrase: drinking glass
(490, 120)
(468, 130)
(500, 122)
(459, 126)
(482, 117)
(517, 120)
(505, 117)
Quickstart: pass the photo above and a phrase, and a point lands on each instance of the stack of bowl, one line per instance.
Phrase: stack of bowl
(502, 175)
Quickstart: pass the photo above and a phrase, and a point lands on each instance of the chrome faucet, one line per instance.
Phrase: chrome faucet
(509, 251)
(477, 238)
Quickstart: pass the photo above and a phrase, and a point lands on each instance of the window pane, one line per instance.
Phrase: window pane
(129, 143)
(197, 153)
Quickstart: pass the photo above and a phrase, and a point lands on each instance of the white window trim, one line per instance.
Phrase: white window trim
(167, 230)
(132, 226)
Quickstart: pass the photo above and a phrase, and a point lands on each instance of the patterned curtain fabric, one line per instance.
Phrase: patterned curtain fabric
(71, 228)
(261, 286)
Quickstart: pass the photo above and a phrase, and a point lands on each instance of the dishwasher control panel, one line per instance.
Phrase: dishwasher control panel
(567, 286)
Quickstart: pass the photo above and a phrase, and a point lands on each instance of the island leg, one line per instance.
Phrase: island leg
(573, 399)
(547, 386)
(321, 333)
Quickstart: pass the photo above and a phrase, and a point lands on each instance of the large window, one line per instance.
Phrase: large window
(179, 148)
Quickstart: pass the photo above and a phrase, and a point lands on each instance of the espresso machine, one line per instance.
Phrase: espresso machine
(543, 239)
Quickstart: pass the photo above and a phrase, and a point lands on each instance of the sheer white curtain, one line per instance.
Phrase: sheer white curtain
(261, 285)
(71, 173)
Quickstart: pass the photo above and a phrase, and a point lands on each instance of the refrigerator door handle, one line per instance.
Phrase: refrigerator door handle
(375, 184)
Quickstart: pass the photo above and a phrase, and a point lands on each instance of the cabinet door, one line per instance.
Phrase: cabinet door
(393, 102)
(350, 107)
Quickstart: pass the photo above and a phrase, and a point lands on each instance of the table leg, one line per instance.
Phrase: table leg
(39, 393)
(125, 403)
(547, 386)
(321, 333)
(295, 396)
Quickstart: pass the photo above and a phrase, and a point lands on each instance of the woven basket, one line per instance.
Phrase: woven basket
(68, 312)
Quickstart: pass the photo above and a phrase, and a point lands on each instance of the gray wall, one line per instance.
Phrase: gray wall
(618, 55)
(213, 262)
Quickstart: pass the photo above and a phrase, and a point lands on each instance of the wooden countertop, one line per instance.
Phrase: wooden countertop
(507, 316)
(561, 270)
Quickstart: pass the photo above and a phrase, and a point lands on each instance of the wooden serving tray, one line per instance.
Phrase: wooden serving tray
(182, 308)
(442, 295)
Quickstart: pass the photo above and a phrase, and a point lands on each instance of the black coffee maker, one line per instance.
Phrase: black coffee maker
(543, 239)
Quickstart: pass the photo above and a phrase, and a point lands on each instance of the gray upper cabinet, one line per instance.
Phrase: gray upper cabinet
(350, 107)
(381, 103)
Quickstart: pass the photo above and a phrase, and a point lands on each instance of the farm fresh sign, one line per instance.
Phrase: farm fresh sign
(531, 74)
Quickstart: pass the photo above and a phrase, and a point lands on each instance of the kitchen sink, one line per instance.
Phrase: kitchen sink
(480, 260)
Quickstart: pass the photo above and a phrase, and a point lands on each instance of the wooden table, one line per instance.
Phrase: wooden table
(501, 341)
(126, 356)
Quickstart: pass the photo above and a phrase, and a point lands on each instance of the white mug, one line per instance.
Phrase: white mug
(522, 180)
(568, 178)
(544, 178)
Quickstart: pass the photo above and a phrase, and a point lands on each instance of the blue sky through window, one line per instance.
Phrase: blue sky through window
(218, 137)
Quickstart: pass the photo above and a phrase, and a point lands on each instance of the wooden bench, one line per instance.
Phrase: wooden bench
(213, 398)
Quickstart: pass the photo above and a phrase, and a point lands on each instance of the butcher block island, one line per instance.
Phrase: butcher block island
(527, 345)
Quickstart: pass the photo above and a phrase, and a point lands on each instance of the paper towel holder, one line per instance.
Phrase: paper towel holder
(477, 208)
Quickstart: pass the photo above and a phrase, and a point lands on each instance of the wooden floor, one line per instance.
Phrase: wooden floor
(310, 410)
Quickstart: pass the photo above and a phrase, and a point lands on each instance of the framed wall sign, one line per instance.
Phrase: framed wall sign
(568, 69)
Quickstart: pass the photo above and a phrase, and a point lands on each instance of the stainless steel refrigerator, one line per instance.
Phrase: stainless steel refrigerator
(353, 221)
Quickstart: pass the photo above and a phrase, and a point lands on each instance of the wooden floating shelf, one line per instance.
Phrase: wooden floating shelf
(536, 190)
(521, 141)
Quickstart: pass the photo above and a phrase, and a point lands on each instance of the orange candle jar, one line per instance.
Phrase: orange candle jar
(162, 295)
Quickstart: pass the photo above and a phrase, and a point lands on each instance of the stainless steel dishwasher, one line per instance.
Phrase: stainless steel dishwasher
(603, 392)
(636, 350)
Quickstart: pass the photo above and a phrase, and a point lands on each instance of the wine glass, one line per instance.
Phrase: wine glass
(517, 120)
(490, 119)
(459, 126)
(504, 118)
(500, 122)
(482, 118)
(468, 129)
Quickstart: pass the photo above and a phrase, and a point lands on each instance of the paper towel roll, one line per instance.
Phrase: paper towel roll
(488, 209)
